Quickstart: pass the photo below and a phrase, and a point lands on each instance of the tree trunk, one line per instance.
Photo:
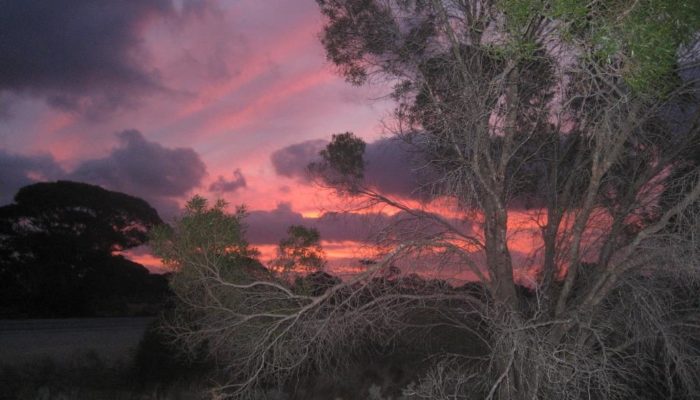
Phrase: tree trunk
(498, 259)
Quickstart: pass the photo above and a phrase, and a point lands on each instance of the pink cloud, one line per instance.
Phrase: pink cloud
(290, 44)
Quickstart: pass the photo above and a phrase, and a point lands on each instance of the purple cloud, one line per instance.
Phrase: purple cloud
(138, 167)
(145, 169)
(18, 170)
(291, 161)
(81, 55)
(268, 227)
(392, 166)
(222, 185)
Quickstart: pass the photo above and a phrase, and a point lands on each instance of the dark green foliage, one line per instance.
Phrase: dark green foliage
(159, 361)
(344, 154)
(642, 36)
(342, 165)
(203, 233)
(204, 230)
(300, 251)
(56, 252)
(364, 22)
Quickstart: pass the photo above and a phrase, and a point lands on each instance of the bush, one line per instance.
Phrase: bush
(159, 362)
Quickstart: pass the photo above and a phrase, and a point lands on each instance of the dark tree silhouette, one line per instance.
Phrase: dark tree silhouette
(300, 251)
(57, 250)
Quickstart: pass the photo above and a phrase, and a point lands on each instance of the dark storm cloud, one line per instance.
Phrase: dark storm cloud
(391, 166)
(18, 170)
(223, 185)
(81, 55)
(394, 168)
(268, 227)
(137, 167)
(144, 168)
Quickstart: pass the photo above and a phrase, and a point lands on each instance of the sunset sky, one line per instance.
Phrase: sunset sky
(163, 99)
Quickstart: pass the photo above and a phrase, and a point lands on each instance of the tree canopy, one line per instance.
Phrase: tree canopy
(300, 251)
(58, 242)
(580, 116)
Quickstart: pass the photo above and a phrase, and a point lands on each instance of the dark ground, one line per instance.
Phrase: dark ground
(111, 339)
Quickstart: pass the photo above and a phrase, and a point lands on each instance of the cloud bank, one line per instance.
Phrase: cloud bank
(268, 227)
(223, 185)
(18, 170)
(82, 55)
(391, 166)
(138, 167)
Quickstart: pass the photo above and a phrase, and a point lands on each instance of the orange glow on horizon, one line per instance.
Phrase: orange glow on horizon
(524, 241)
(148, 260)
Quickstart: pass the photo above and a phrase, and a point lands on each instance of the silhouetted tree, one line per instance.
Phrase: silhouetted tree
(300, 251)
(57, 244)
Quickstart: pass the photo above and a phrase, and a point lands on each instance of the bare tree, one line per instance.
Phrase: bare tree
(519, 102)
(548, 110)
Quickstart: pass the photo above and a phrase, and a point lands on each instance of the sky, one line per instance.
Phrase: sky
(164, 99)
(231, 99)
